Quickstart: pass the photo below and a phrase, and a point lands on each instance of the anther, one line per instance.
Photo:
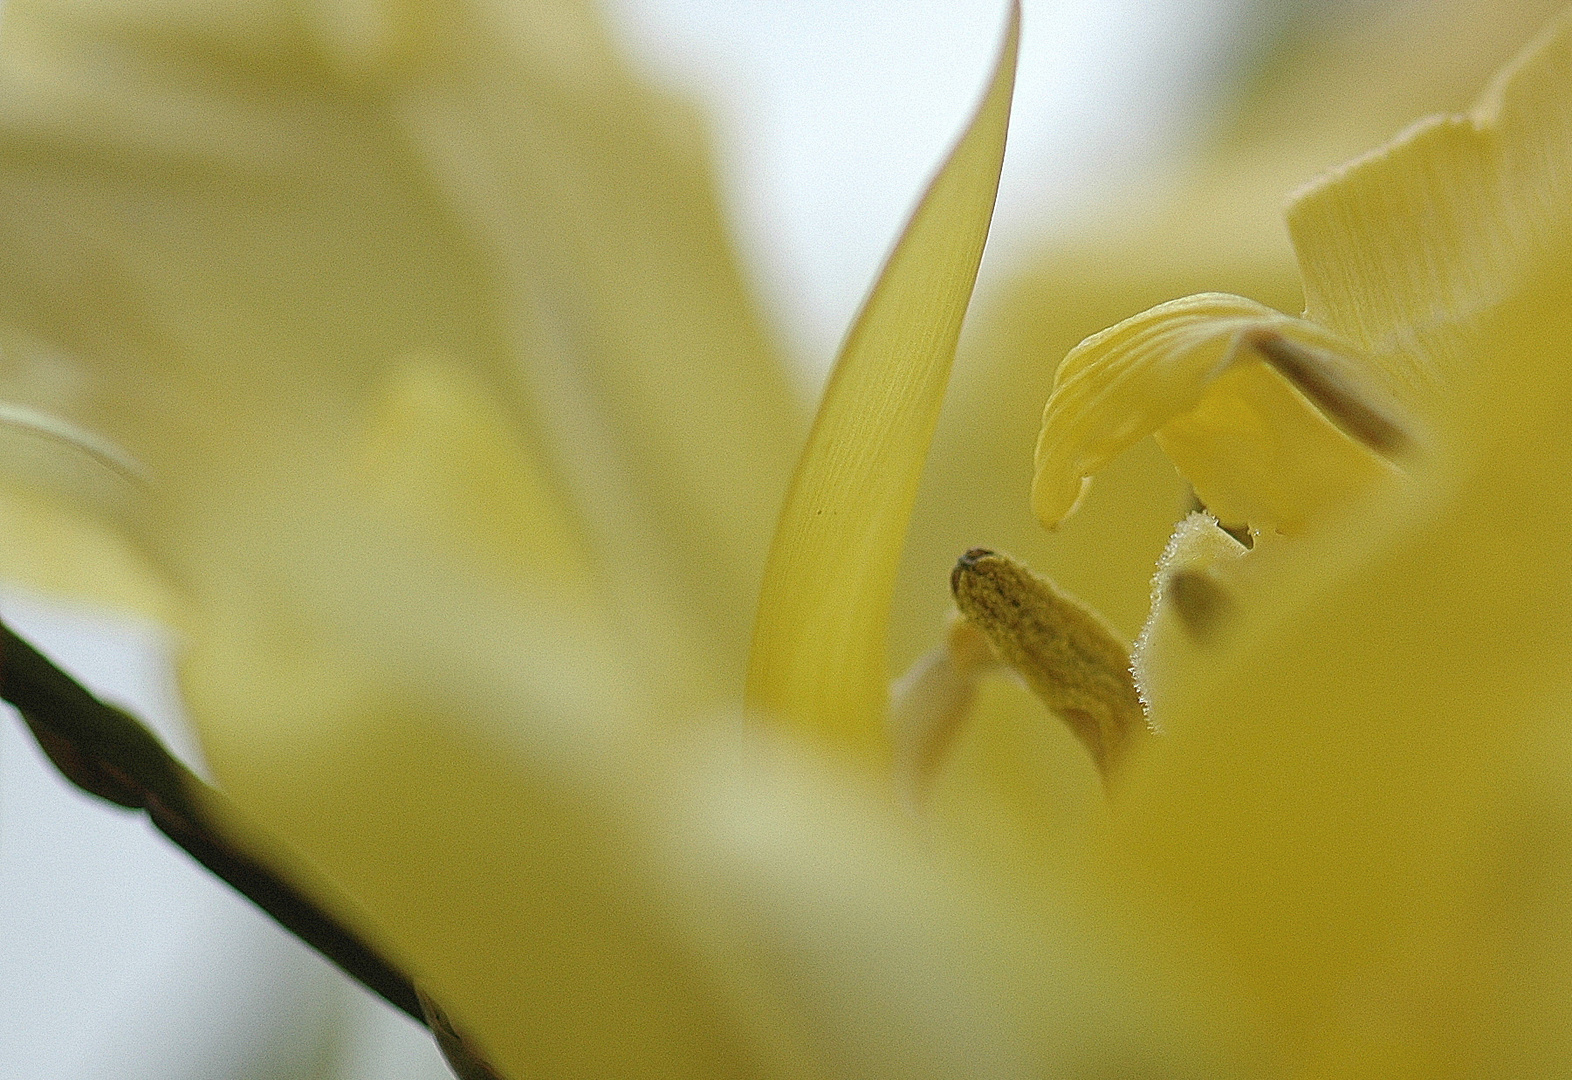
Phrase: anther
(1072, 660)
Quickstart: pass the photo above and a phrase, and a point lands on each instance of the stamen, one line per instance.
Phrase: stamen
(930, 702)
(1239, 530)
(1067, 655)
(1192, 603)
(1316, 377)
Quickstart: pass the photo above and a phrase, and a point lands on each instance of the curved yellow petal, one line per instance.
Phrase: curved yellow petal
(441, 452)
(1204, 374)
(1405, 250)
(51, 546)
(818, 654)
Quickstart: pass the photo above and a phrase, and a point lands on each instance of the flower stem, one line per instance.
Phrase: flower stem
(108, 754)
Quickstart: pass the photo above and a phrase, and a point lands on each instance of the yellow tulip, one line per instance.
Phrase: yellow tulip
(460, 451)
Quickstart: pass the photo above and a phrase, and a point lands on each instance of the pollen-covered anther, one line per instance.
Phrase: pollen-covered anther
(1069, 657)
(1314, 374)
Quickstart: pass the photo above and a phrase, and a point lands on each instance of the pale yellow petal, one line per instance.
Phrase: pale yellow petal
(225, 224)
(818, 655)
(589, 894)
(65, 502)
(442, 454)
(664, 408)
(1405, 250)
(1357, 813)
(439, 452)
(59, 551)
(1195, 372)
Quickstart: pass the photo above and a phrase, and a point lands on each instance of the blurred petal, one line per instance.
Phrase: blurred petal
(58, 550)
(224, 227)
(1444, 223)
(588, 894)
(667, 412)
(1408, 250)
(442, 454)
(819, 640)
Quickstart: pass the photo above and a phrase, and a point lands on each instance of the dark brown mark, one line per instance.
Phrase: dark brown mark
(1303, 366)
(1201, 603)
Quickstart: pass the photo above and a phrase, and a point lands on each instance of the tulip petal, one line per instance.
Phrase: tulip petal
(223, 226)
(818, 654)
(587, 894)
(1358, 814)
(1201, 374)
(1404, 250)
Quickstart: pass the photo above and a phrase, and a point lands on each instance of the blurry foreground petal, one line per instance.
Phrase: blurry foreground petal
(588, 894)
(225, 228)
